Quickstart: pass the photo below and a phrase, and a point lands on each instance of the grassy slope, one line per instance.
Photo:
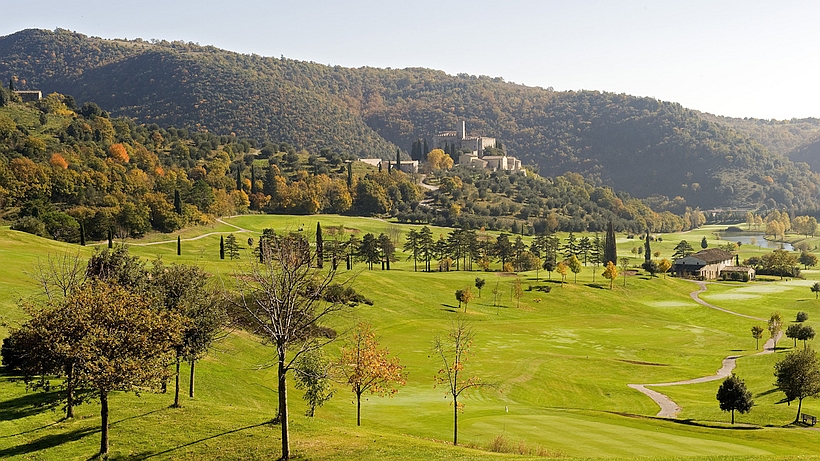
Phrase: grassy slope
(561, 365)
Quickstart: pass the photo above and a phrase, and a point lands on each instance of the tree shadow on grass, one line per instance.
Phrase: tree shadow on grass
(28, 404)
(450, 308)
(716, 425)
(204, 439)
(47, 441)
(598, 286)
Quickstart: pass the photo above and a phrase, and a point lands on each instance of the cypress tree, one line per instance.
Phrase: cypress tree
(82, 234)
(177, 202)
(349, 175)
(319, 246)
(11, 84)
(398, 159)
(238, 178)
(647, 251)
(179, 246)
(610, 250)
(221, 247)
(253, 179)
(425, 151)
(110, 239)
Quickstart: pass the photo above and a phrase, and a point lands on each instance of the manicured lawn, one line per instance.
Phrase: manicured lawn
(559, 365)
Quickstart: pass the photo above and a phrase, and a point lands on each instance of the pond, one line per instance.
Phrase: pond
(758, 239)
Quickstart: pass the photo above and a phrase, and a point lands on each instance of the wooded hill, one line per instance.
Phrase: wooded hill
(641, 145)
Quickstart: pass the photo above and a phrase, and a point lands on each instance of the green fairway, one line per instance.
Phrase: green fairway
(559, 365)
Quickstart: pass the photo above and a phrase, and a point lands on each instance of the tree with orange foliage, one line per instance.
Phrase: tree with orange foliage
(58, 161)
(368, 368)
(118, 153)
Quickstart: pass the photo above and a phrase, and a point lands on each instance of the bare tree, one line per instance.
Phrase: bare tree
(284, 297)
(59, 274)
(454, 351)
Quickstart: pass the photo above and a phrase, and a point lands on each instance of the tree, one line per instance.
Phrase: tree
(647, 250)
(179, 245)
(650, 266)
(561, 268)
(124, 343)
(802, 316)
(816, 289)
(703, 243)
(221, 247)
(624, 267)
(503, 248)
(663, 266)
(368, 250)
(733, 395)
(798, 376)
(775, 325)
(387, 250)
(439, 160)
(793, 331)
(610, 273)
(610, 248)
(426, 246)
(177, 202)
(518, 292)
(575, 266)
(479, 284)
(807, 260)
(319, 246)
(232, 247)
(312, 375)
(412, 245)
(757, 333)
(454, 352)
(805, 333)
(682, 250)
(285, 300)
(464, 296)
(366, 367)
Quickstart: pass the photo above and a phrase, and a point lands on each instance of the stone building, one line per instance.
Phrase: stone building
(407, 166)
(475, 146)
(29, 95)
(706, 265)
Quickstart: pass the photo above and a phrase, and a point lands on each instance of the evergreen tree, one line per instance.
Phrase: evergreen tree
(253, 179)
(82, 234)
(177, 202)
(610, 249)
(703, 243)
(398, 159)
(11, 84)
(110, 239)
(319, 246)
(238, 178)
(647, 251)
(179, 245)
(426, 150)
(221, 247)
(349, 175)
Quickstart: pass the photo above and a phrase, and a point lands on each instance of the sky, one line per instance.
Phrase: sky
(734, 58)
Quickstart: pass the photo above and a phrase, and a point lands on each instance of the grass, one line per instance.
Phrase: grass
(560, 364)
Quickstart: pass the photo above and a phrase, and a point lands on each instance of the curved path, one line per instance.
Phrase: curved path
(670, 409)
(219, 220)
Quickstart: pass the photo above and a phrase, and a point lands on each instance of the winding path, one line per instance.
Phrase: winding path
(670, 409)
(219, 220)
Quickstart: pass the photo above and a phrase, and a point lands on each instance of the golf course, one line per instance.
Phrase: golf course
(556, 364)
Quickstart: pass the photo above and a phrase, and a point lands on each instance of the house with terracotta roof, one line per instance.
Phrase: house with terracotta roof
(708, 265)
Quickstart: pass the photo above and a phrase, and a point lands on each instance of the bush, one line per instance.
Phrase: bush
(31, 225)
(802, 316)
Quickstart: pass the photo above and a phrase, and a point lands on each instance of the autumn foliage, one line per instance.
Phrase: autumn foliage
(118, 153)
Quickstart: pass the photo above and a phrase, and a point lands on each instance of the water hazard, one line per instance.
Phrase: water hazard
(754, 238)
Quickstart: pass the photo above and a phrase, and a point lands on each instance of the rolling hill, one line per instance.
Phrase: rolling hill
(641, 145)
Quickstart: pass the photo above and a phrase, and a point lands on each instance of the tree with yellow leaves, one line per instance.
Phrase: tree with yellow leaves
(366, 367)
(439, 160)
(611, 273)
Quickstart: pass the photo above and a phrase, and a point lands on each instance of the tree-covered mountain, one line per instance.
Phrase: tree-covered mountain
(640, 145)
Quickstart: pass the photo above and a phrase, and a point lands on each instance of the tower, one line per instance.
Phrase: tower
(462, 130)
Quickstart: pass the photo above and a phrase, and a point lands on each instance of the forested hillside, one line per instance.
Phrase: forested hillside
(640, 145)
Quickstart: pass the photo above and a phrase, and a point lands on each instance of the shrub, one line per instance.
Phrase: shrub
(31, 225)
(802, 316)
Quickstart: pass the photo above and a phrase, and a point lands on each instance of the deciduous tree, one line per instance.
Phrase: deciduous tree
(757, 333)
(798, 376)
(368, 368)
(610, 273)
(733, 396)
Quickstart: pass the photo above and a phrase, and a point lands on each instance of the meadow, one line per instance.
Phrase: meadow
(559, 364)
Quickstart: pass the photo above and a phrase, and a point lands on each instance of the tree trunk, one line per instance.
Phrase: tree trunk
(191, 382)
(358, 409)
(176, 386)
(455, 420)
(283, 403)
(104, 423)
(69, 382)
(733, 415)
(799, 406)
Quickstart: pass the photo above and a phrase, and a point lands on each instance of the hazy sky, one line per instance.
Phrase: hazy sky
(737, 58)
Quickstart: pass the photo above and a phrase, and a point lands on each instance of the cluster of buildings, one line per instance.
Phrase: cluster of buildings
(470, 148)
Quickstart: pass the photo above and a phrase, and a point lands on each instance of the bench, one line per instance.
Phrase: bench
(809, 419)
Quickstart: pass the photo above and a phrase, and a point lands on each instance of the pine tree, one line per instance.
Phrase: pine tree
(610, 249)
(319, 246)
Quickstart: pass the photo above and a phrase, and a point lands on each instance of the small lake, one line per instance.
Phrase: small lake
(757, 239)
